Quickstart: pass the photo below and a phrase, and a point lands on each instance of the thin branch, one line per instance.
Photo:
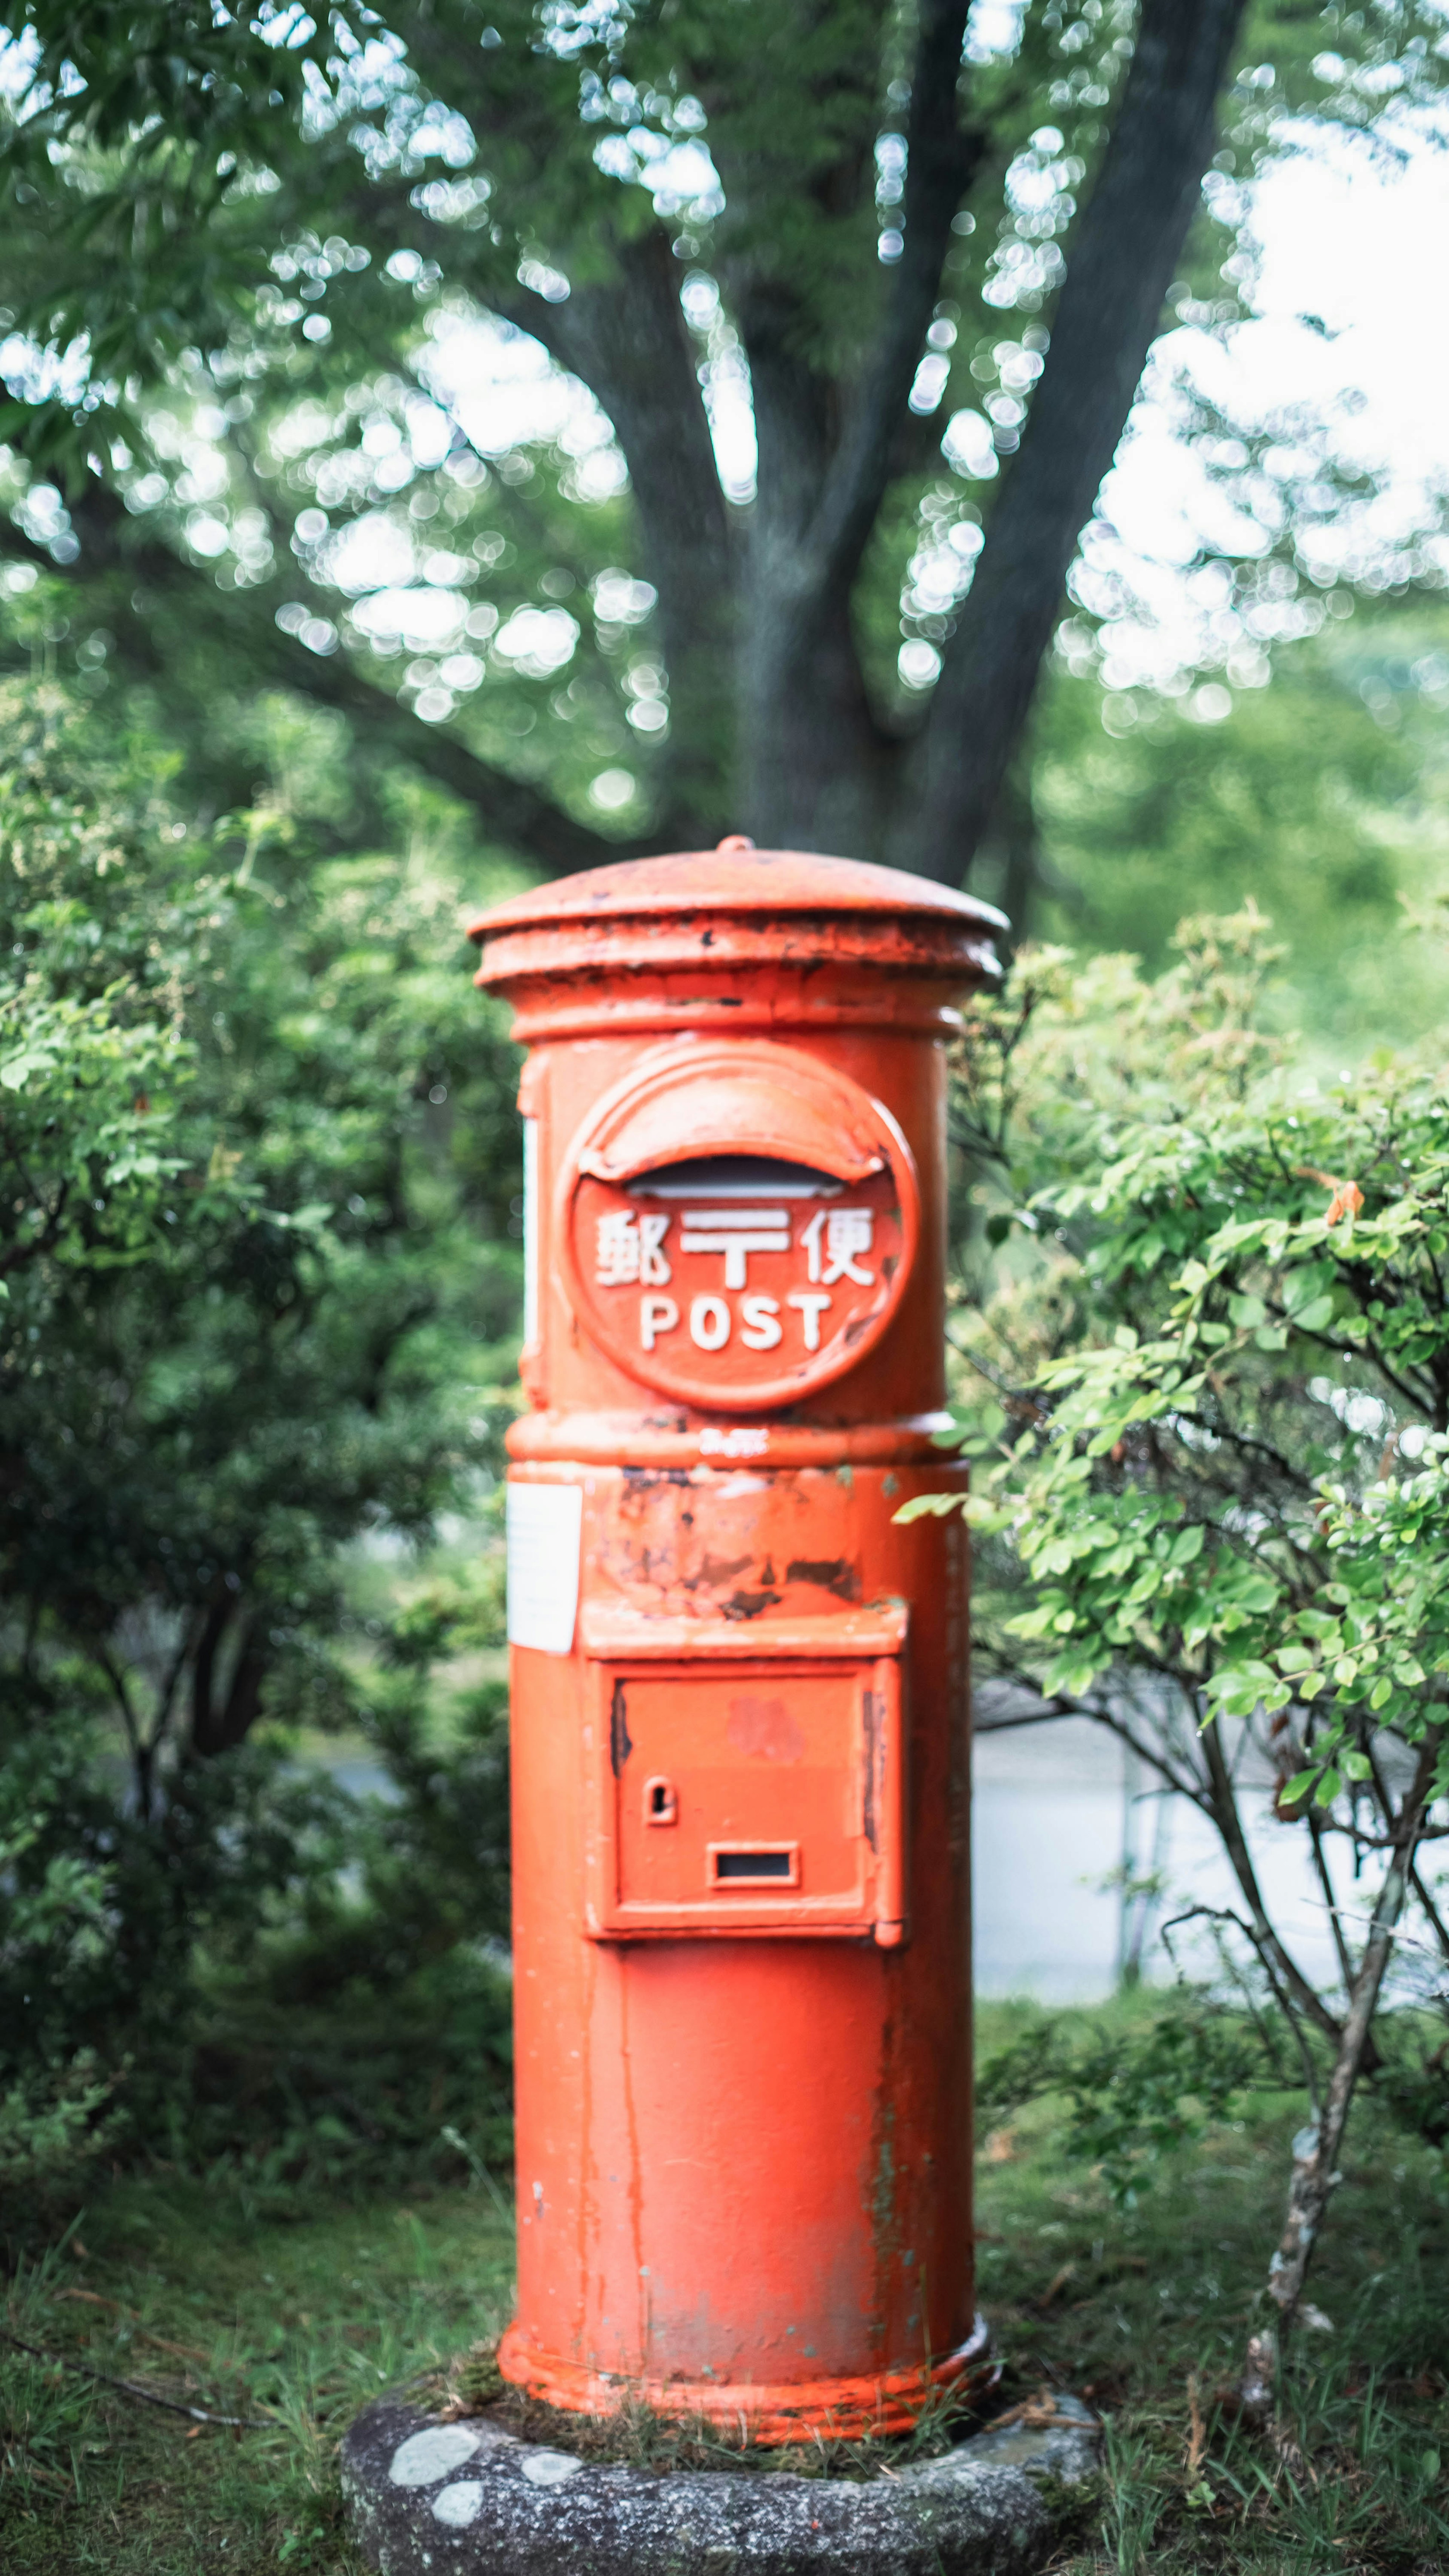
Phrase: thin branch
(1330, 1899)
(1381, 1842)
(1316, 2153)
(1441, 1929)
(1061, 1704)
(167, 1692)
(1248, 1442)
(140, 1749)
(1229, 1823)
(146, 2396)
(1340, 1350)
(1017, 1396)
(1225, 1914)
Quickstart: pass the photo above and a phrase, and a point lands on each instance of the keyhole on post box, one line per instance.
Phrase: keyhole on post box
(661, 1807)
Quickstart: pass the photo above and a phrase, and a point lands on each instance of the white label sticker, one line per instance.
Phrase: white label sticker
(545, 1535)
(530, 1229)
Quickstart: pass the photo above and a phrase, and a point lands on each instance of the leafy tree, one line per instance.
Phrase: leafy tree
(1319, 796)
(248, 249)
(260, 1283)
(1215, 1476)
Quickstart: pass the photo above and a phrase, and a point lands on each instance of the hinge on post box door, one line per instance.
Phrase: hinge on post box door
(775, 1755)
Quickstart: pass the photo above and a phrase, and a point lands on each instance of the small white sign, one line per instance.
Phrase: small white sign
(545, 1536)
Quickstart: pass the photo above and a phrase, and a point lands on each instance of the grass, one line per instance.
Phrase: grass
(299, 2312)
(1146, 2313)
(203, 2296)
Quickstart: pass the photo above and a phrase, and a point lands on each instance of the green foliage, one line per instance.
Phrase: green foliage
(1134, 2092)
(246, 249)
(1205, 1389)
(1286, 1238)
(1142, 2305)
(258, 1313)
(1318, 797)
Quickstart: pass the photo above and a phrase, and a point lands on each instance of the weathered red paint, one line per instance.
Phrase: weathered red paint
(740, 1770)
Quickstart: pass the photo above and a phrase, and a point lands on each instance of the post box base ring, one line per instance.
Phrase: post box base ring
(845, 2410)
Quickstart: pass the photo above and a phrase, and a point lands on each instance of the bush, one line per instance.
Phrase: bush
(258, 1281)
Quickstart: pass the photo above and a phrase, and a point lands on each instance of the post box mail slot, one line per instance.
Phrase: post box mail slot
(761, 1794)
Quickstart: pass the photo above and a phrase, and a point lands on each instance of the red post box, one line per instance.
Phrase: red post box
(740, 1754)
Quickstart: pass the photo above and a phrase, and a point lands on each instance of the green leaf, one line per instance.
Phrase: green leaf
(16, 1071)
(1314, 1318)
(1259, 1592)
(1072, 1675)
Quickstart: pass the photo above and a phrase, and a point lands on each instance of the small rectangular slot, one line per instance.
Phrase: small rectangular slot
(731, 1864)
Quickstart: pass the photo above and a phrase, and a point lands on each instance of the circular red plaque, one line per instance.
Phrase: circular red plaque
(737, 1224)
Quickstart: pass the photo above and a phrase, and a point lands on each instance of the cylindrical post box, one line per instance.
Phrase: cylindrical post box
(740, 1752)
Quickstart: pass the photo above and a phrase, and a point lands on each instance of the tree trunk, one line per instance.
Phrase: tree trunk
(1316, 2148)
(773, 721)
(1127, 245)
(816, 771)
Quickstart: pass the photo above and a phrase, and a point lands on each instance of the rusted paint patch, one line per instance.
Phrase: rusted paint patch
(833, 1573)
(874, 1712)
(620, 1744)
(748, 1605)
(716, 1571)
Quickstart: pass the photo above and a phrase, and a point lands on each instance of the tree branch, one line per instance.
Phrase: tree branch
(625, 337)
(1062, 1705)
(1230, 1826)
(1128, 242)
(1316, 2149)
(510, 810)
(941, 160)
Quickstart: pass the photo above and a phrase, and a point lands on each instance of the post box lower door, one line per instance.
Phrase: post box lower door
(755, 1793)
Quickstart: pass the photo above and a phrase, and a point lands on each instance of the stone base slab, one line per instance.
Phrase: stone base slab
(426, 2498)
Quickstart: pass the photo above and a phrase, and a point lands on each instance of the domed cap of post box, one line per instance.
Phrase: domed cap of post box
(736, 906)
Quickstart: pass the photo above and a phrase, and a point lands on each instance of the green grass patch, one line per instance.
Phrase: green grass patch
(298, 2308)
(1145, 2311)
(209, 2296)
